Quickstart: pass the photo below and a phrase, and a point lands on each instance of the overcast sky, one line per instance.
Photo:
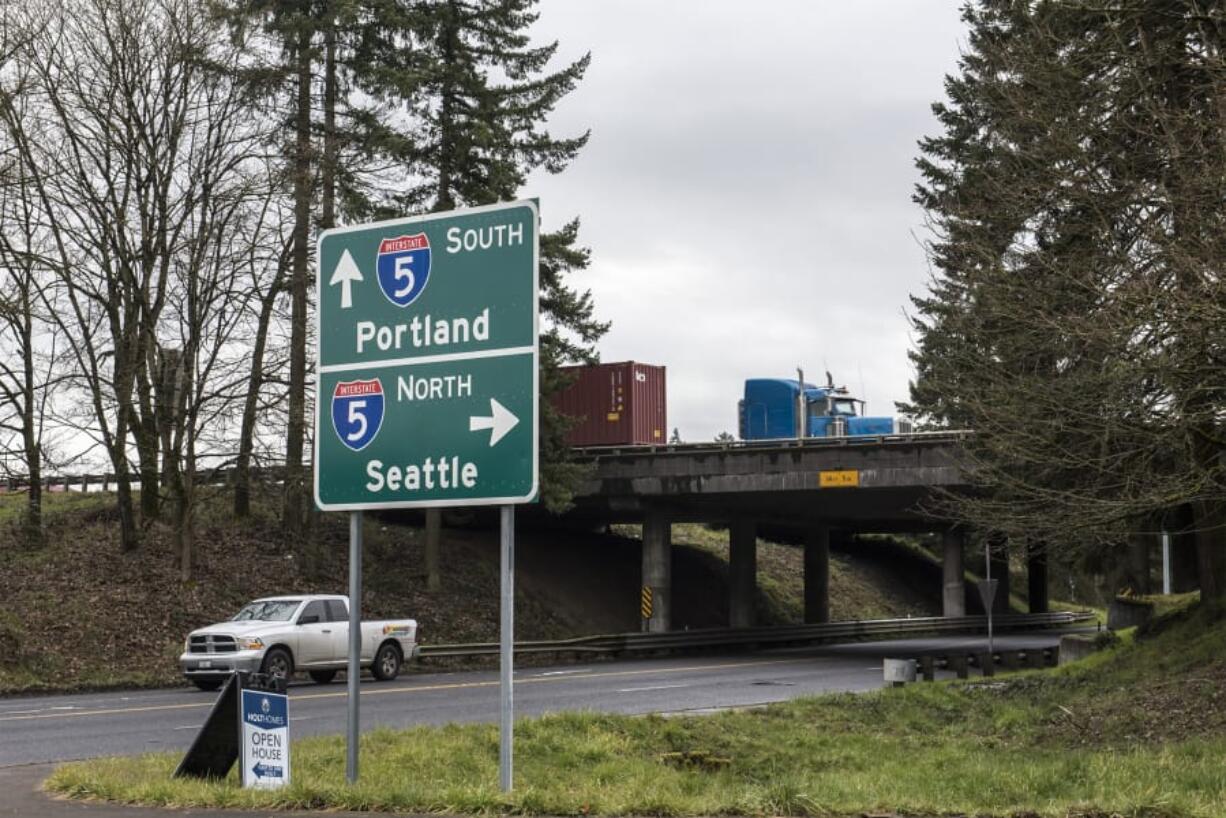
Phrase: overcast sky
(746, 191)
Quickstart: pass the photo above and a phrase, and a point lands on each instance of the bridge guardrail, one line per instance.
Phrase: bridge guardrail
(903, 438)
(782, 634)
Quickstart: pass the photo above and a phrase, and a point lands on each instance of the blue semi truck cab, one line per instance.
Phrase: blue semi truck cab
(772, 410)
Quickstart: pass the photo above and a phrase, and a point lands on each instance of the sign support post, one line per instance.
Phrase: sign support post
(506, 650)
(991, 600)
(354, 670)
(428, 388)
(1166, 563)
(987, 591)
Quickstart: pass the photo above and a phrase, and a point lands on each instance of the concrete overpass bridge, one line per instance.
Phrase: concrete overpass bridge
(817, 487)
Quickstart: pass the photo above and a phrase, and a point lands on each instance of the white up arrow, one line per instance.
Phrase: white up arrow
(500, 421)
(345, 274)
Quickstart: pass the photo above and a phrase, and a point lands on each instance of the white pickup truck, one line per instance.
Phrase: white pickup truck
(283, 634)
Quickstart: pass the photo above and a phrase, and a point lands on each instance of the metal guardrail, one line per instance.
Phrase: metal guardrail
(781, 634)
(106, 481)
(786, 443)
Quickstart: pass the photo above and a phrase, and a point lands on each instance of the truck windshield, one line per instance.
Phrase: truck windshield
(271, 610)
(844, 407)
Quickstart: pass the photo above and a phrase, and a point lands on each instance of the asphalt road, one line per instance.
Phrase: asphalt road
(55, 728)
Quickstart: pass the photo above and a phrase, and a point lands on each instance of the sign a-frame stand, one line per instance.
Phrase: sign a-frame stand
(428, 389)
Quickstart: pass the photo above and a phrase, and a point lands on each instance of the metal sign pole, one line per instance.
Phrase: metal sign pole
(355, 644)
(987, 554)
(1166, 563)
(506, 649)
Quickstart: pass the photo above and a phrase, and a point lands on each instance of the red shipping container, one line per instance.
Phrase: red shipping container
(620, 404)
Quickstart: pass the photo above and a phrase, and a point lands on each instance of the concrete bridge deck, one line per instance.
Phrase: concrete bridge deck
(850, 482)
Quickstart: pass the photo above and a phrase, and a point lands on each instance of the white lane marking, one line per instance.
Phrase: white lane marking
(562, 672)
(65, 707)
(189, 727)
(421, 688)
(651, 687)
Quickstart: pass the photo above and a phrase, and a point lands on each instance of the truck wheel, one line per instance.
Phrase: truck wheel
(207, 684)
(322, 677)
(278, 664)
(387, 663)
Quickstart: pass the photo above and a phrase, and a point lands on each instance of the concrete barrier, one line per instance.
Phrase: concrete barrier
(1036, 658)
(898, 672)
(1126, 613)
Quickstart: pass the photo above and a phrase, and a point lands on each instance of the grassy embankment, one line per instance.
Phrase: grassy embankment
(868, 587)
(77, 613)
(874, 576)
(1139, 730)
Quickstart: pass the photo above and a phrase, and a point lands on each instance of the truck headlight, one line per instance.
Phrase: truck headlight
(251, 644)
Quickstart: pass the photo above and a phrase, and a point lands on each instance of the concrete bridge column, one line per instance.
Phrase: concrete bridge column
(742, 572)
(953, 601)
(1138, 573)
(658, 569)
(1036, 576)
(1184, 568)
(817, 574)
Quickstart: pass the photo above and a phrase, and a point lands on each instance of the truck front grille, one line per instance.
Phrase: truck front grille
(212, 643)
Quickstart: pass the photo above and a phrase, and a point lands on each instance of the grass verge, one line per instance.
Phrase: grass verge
(1104, 737)
(780, 763)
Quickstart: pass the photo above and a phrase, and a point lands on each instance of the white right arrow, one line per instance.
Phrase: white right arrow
(345, 274)
(500, 421)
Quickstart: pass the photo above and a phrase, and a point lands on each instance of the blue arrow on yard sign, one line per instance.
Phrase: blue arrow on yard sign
(263, 769)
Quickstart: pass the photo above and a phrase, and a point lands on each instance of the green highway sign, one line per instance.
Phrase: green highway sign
(427, 367)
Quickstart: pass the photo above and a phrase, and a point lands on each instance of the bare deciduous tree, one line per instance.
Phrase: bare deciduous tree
(149, 179)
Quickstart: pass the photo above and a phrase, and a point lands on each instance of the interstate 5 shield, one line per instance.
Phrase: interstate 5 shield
(403, 263)
(357, 412)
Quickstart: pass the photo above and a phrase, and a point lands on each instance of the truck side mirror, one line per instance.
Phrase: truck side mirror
(309, 619)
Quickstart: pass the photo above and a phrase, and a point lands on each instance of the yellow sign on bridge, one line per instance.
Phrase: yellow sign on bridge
(849, 478)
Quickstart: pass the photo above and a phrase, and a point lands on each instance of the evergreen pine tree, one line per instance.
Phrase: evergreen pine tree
(329, 138)
(1074, 260)
(293, 28)
(477, 93)
(459, 97)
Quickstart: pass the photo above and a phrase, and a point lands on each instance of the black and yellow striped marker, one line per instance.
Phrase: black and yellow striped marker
(645, 605)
